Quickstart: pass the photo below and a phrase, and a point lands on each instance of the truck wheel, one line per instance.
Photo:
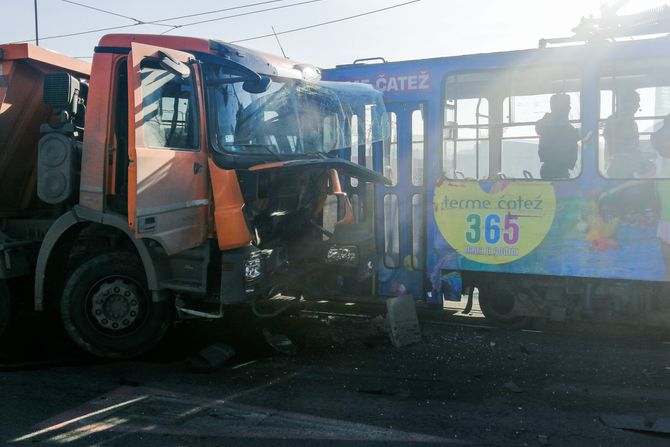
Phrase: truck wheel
(5, 307)
(107, 308)
(498, 302)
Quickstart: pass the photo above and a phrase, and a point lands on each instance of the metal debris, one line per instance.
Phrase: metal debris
(211, 358)
(279, 342)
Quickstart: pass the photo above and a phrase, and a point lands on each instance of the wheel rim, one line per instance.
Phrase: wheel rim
(116, 305)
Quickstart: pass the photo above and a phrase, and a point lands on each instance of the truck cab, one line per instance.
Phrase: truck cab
(184, 175)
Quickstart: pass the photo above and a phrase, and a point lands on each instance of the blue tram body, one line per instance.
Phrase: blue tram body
(468, 202)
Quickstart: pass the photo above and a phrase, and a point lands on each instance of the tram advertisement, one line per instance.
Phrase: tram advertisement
(497, 226)
(588, 228)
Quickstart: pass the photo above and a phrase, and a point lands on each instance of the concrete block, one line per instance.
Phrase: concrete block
(403, 322)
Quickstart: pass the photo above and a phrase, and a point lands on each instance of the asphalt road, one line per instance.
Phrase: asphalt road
(344, 385)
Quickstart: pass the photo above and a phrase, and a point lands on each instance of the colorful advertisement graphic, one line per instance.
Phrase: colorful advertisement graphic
(497, 226)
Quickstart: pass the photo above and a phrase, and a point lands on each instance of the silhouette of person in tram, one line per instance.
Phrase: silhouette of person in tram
(622, 137)
(558, 139)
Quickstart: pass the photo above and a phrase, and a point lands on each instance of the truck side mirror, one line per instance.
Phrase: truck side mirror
(172, 65)
(257, 85)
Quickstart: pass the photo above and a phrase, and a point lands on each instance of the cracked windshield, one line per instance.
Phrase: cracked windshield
(292, 117)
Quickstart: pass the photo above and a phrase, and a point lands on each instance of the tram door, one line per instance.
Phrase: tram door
(400, 207)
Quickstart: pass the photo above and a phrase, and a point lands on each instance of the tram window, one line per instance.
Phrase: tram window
(390, 153)
(391, 231)
(417, 231)
(418, 144)
(368, 137)
(527, 119)
(633, 110)
(354, 145)
(465, 146)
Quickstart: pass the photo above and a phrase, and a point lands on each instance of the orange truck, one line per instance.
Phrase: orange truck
(170, 178)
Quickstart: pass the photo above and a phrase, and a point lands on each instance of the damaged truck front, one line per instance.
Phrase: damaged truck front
(183, 174)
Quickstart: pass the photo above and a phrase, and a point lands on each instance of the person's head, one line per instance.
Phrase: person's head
(560, 104)
(628, 102)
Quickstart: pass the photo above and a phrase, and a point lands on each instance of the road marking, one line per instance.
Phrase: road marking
(163, 412)
(86, 415)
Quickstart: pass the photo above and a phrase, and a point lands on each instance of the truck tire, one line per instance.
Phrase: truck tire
(107, 309)
(497, 302)
(5, 307)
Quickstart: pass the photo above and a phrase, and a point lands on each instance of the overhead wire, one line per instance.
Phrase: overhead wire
(217, 10)
(111, 28)
(200, 22)
(273, 34)
(329, 22)
(143, 22)
(168, 19)
(103, 11)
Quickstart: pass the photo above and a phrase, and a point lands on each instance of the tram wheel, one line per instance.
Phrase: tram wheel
(498, 304)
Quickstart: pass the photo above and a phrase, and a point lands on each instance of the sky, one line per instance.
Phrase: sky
(421, 29)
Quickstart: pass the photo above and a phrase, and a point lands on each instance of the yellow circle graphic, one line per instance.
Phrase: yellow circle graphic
(495, 227)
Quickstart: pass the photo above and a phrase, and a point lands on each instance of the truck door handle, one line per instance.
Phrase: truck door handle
(197, 167)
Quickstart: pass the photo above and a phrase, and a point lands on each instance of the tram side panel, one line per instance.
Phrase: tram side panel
(570, 248)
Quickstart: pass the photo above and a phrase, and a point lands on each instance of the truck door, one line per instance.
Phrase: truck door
(167, 169)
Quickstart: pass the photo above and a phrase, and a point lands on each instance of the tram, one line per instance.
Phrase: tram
(473, 204)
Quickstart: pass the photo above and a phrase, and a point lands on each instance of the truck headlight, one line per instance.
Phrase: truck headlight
(253, 268)
(342, 254)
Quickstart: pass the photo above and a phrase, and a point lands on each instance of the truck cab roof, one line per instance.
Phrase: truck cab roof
(260, 62)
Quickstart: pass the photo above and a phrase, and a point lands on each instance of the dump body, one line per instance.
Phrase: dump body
(22, 70)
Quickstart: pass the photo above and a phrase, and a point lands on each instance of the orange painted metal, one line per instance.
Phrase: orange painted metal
(276, 164)
(99, 136)
(335, 186)
(336, 189)
(231, 226)
(166, 185)
(19, 51)
(22, 71)
(272, 64)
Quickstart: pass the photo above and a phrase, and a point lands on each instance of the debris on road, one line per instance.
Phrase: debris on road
(543, 440)
(403, 321)
(211, 358)
(279, 342)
